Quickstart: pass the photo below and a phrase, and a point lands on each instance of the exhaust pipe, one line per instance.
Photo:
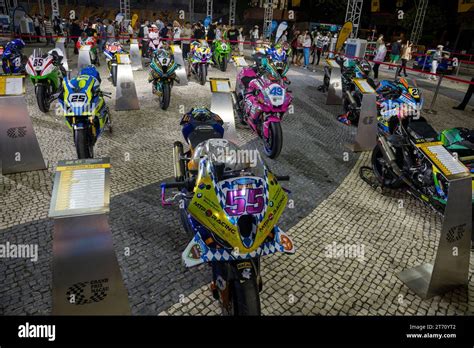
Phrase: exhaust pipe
(389, 156)
(178, 153)
(351, 99)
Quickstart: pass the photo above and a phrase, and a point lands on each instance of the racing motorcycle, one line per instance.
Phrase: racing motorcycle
(85, 110)
(399, 159)
(46, 73)
(92, 42)
(111, 50)
(221, 54)
(230, 209)
(261, 101)
(162, 75)
(199, 59)
(13, 59)
(279, 59)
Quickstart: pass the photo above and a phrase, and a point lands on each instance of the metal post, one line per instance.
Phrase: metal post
(232, 7)
(421, 7)
(41, 7)
(458, 68)
(431, 110)
(268, 18)
(353, 14)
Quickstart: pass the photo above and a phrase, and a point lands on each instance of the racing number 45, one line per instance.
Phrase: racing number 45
(239, 202)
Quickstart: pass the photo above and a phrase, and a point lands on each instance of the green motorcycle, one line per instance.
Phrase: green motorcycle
(46, 73)
(221, 54)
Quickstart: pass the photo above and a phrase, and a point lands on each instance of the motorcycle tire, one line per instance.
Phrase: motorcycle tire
(165, 96)
(387, 179)
(83, 143)
(42, 97)
(223, 64)
(245, 298)
(202, 74)
(273, 149)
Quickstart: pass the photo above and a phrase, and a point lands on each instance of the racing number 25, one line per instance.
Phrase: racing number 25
(249, 201)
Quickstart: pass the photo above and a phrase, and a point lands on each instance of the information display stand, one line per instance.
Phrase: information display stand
(86, 273)
(239, 62)
(451, 265)
(135, 55)
(84, 58)
(20, 151)
(60, 44)
(334, 96)
(221, 104)
(181, 71)
(126, 97)
(366, 137)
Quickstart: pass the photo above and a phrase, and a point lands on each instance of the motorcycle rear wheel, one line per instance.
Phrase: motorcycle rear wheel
(42, 97)
(165, 96)
(202, 74)
(272, 147)
(245, 298)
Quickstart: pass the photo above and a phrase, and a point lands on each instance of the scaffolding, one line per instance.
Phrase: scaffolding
(268, 18)
(6, 6)
(125, 9)
(232, 7)
(191, 11)
(421, 6)
(54, 8)
(353, 14)
(209, 9)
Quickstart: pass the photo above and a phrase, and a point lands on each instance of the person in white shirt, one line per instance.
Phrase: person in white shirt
(176, 33)
(307, 42)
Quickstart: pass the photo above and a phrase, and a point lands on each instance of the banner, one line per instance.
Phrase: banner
(465, 5)
(344, 34)
(134, 19)
(375, 5)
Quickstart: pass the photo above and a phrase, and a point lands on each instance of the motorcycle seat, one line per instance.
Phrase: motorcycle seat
(246, 80)
(203, 131)
(421, 129)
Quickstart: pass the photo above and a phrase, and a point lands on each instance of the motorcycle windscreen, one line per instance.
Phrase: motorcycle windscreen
(218, 206)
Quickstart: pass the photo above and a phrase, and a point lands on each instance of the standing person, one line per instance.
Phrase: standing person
(219, 33)
(37, 25)
(186, 34)
(199, 32)
(406, 56)
(110, 32)
(232, 36)
(326, 42)
(306, 48)
(294, 45)
(379, 58)
(211, 33)
(241, 41)
(48, 30)
(284, 37)
(143, 36)
(319, 46)
(75, 32)
(176, 33)
(379, 42)
(254, 36)
(467, 97)
(437, 57)
(395, 52)
(299, 49)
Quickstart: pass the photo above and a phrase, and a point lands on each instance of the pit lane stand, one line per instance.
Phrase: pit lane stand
(84, 58)
(222, 105)
(451, 265)
(135, 55)
(86, 273)
(181, 71)
(334, 96)
(126, 97)
(19, 148)
(60, 43)
(366, 137)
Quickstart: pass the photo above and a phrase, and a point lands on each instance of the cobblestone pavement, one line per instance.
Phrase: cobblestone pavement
(325, 212)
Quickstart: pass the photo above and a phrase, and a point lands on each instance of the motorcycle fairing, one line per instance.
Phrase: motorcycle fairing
(207, 208)
(197, 252)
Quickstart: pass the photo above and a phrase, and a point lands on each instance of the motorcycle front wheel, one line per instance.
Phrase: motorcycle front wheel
(165, 96)
(83, 142)
(272, 146)
(245, 297)
(42, 97)
(224, 64)
(202, 74)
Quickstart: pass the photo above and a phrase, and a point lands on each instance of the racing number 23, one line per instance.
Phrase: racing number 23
(248, 201)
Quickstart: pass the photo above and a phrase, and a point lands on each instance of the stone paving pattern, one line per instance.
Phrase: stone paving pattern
(325, 211)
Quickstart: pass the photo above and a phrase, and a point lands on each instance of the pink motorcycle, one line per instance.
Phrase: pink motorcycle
(262, 100)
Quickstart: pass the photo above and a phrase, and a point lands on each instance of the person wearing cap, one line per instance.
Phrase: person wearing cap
(254, 36)
(437, 57)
